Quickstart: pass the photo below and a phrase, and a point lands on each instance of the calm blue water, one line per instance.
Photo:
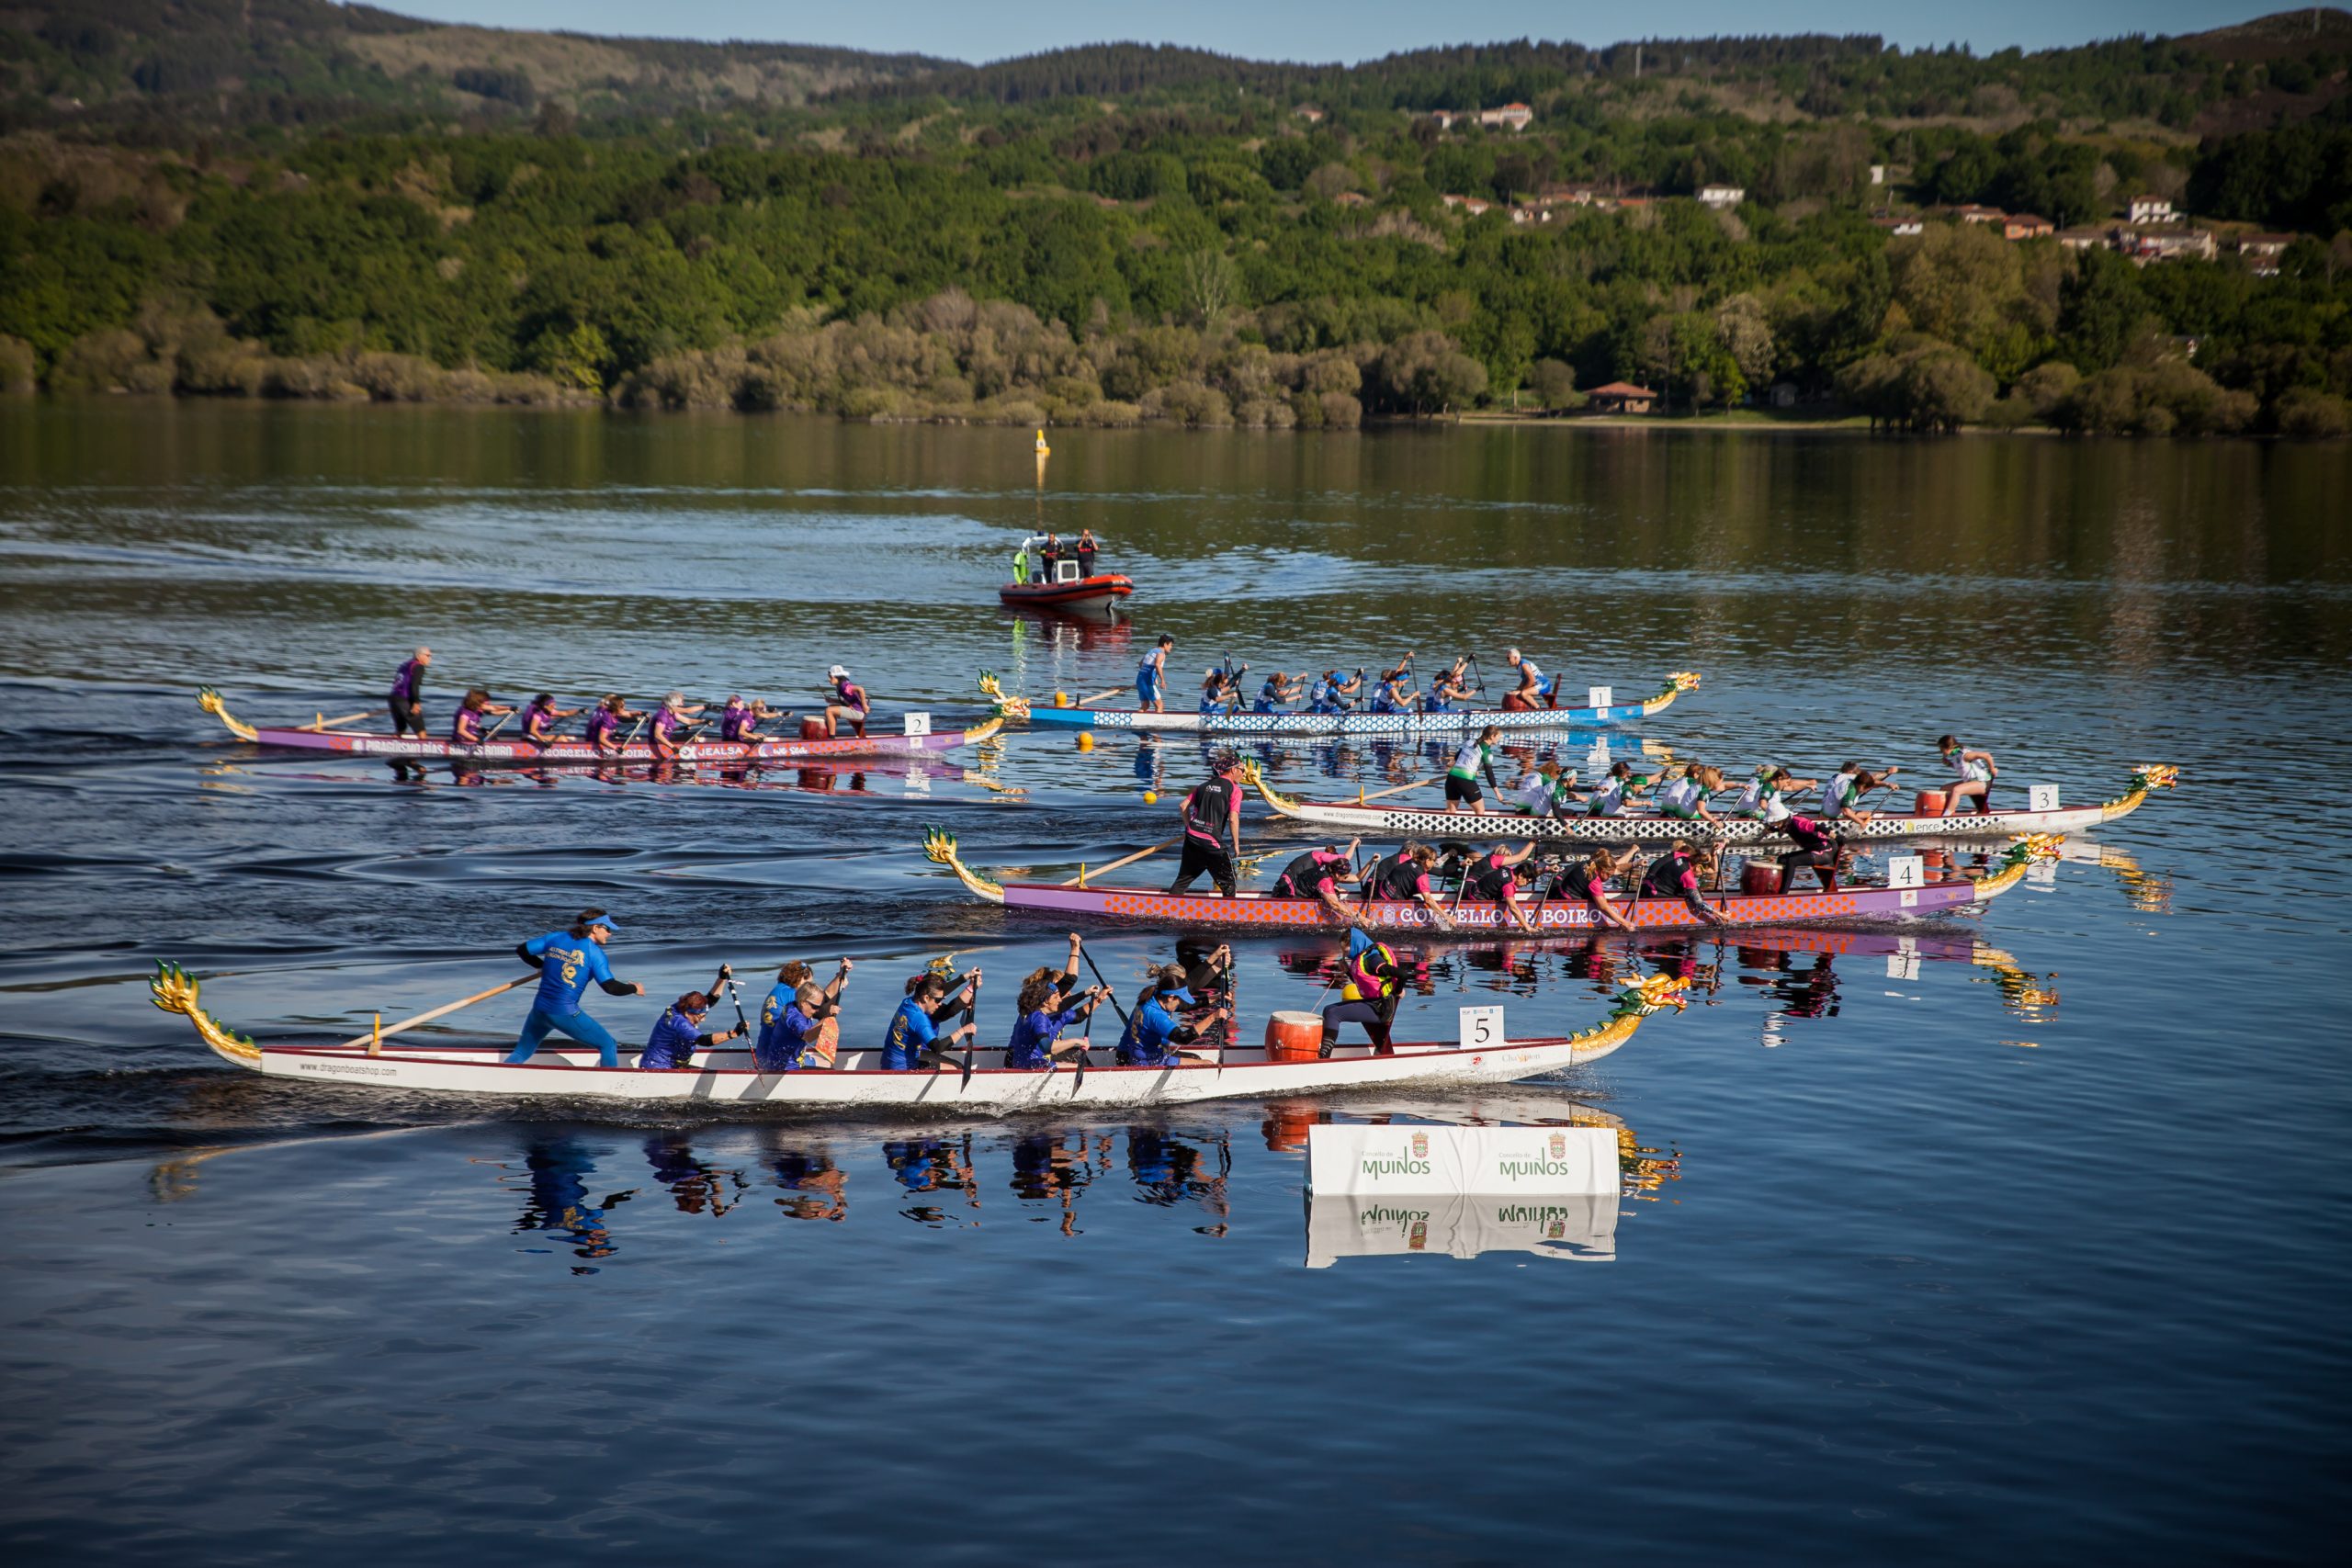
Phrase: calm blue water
(2027, 1250)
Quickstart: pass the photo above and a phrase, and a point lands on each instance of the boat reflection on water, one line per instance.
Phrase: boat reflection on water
(1579, 1228)
(1796, 966)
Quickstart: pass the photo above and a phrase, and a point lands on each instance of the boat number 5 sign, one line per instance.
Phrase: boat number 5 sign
(918, 723)
(1481, 1028)
(2045, 796)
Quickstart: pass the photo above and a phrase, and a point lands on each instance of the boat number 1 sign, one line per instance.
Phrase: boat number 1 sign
(2045, 796)
(918, 723)
(1598, 696)
(1481, 1028)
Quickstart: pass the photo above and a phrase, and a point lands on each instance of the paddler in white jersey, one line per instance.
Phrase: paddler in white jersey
(1843, 794)
(1972, 775)
(1545, 792)
(1685, 797)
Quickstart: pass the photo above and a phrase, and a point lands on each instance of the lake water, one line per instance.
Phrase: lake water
(2025, 1248)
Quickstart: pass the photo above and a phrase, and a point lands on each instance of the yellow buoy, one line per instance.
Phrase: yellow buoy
(1151, 798)
(1085, 740)
(1043, 450)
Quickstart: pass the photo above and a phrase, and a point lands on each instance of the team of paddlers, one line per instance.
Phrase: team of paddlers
(1396, 690)
(675, 721)
(1182, 1004)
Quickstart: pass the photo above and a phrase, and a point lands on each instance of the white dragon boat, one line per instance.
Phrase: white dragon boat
(726, 1076)
(1455, 721)
(1351, 817)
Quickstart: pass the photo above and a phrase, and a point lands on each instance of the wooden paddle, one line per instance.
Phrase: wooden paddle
(1080, 880)
(374, 1038)
(320, 725)
(1089, 701)
(1385, 793)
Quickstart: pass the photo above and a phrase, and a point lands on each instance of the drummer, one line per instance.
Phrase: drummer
(1817, 847)
(1376, 983)
(1972, 775)
(567, 962)
(845, 701)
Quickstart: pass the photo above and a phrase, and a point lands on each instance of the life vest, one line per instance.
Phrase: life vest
(1373, 973)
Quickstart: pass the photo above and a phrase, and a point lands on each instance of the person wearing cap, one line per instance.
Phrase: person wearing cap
(846, 702)
(1331, 693)
(1156, 1029)
(1211, 814)
(670, 726)
(407, 698)
(567, 962)
(1219, 693)
(678, 1032)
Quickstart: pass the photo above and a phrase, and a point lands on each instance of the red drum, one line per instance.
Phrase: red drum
(1294, 1037)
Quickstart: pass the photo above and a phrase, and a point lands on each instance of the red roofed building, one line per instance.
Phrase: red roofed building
(1620, 396)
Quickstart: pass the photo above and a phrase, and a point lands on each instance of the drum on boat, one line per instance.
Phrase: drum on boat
(1294, 1037)
(1929, 803)
(812, 729)
(1759, 877)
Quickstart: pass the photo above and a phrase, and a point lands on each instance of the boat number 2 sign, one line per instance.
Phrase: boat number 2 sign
(1481, 1028)
(918, 723)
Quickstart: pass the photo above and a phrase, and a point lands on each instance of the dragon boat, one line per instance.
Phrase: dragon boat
(725, 1076)
(324, 735)
(1351, 817)
(1265, 911)
(1457, 721)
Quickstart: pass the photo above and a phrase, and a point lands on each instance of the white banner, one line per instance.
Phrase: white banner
(1505, 1161)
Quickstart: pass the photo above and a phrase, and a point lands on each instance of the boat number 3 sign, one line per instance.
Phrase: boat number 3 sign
(2045, 796)
(918, 723)
(1481, 1028)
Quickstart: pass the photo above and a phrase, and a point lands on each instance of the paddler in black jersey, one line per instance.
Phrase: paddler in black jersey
(1818, 849)
(1587, 880)
(1675, 875)
(1407, 876)
(1212, 816)
(1497, 876)
(1317, 874)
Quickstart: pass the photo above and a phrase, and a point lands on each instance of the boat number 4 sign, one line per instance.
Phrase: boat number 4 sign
(1481, 1028)
(1905, 871)
(918, 723)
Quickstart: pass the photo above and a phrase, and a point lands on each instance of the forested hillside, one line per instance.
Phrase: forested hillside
(296, 199)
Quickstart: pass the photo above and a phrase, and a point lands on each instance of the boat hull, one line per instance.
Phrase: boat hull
(1456, 723)
(1261, 911)
(1374, 822)
(1086, 593)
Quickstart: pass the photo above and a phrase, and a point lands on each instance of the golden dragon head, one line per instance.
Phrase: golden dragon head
(1011, 708)
(2154, 775)
(175, 990)
(1646, 994)
(209, 701)
(939, 846)
(2029, 847)
(1684, 679)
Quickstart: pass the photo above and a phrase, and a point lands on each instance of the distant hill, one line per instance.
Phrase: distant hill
(299, 62)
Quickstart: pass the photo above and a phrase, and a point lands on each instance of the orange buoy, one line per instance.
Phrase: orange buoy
(1759, 878)
(1294, 1037)
(1929, 803)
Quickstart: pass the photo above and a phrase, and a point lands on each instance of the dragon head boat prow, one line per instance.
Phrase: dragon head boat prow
(2155, 776)
(1012, 709)
(176, 990)
(1682, 681)
(1256, 780)
(1646, 994)
(939, 846)
(209, 701)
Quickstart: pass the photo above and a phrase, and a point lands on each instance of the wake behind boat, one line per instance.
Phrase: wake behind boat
(1359, 817)
(1445, 722)
(324, 735)
(725, 1076)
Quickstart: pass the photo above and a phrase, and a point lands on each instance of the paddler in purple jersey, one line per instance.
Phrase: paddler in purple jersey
(566, 961)
(671, 728)
(466, 728)
(604, 725)
(407, 700)
(846, 701)
(540, 719)
(739, 721)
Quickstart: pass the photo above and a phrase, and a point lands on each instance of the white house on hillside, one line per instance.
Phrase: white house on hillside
(1722, 196)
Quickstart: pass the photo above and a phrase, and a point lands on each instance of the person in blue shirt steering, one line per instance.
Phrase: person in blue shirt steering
(932, 1000)
(567, 962)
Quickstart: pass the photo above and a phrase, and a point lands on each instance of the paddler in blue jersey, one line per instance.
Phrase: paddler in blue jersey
(1151, 677)
(932, 998)
(567, 962)
(1447, 688)
(678, 1034)
(1157, 1028)
(1277, 690)
(1050, 1002)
